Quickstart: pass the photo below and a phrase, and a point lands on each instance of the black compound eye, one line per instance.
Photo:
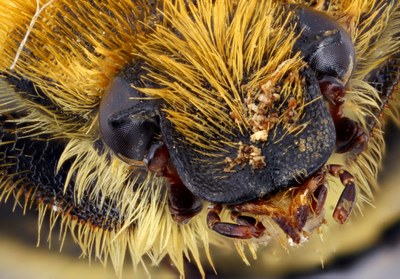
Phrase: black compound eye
(325, 44)
(128, 123)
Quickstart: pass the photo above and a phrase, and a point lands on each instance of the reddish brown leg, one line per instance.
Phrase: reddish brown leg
(347, 199)
(319, 198)
(288, 223)
(247, 227)
(350, 137)
(183, 205)
(308, 201)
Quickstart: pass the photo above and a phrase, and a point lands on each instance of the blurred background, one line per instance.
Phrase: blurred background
(366, 247)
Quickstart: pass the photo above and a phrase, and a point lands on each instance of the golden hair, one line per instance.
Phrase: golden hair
(71, 52)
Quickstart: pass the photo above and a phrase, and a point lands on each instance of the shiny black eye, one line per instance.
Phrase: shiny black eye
(326, 46)
(128, 122)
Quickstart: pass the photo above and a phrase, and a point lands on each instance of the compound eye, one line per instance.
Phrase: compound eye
(128, 122)
(325, 44)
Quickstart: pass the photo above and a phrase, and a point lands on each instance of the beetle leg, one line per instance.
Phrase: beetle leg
(308, 200)
(319, 198)
(247, 221)
(286, 222)
(246, 228)
(346, 201)
(350, 137)
(183, 205)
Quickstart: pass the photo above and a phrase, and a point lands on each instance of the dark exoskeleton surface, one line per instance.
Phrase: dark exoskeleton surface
(136, 129)
(329, 52)
(286, 163)
(31, 166)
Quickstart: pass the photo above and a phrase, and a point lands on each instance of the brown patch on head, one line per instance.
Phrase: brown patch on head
(263, 117)
(246, 154)
(278, 100)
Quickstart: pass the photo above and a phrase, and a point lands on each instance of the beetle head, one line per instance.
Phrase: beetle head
(239, 122)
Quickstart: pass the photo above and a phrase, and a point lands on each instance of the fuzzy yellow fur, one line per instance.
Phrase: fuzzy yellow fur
(202, 58)
(216, 51)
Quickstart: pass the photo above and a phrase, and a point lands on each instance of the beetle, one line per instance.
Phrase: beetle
(237, 105)
(330, 56)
